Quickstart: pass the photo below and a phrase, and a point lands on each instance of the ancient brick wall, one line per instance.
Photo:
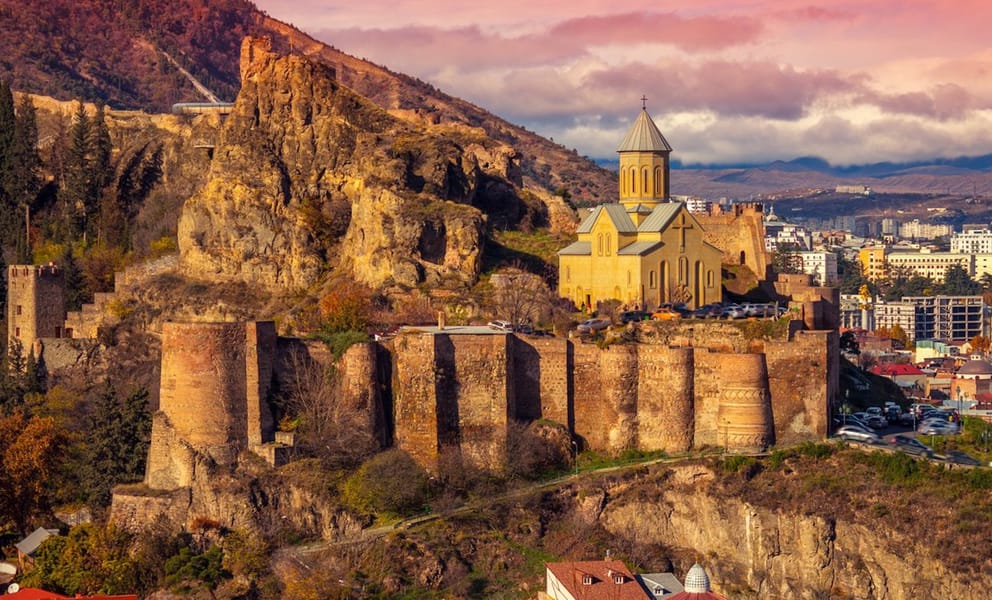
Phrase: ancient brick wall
(215, 384)
(665, 388)
(803, 377)
(541, 379)
(415, 399)
(359, 390)
(35, 303)
(707, 371)
(477, 390)
(594, 415)
(739, 231)
(744, 415)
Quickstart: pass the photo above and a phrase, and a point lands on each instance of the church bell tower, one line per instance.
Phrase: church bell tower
(644, 165)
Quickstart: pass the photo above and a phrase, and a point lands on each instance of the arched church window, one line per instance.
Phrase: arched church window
(651, 282)
(644, 180)
(709, 278)
(568, 275)
(609, 244)
(683, 270)
(628, 277)
(657, 181)
(599, 244)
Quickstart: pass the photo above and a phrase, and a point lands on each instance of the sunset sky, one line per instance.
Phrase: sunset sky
(727, 81)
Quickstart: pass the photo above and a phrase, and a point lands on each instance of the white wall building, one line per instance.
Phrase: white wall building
(821, 265)
(972, 242)
(932, 265)
(923, 231)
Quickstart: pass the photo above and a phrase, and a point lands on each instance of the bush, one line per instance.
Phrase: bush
(390, 483)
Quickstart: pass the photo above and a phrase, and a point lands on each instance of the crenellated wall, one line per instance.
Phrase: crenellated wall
(739, 232)
(463, 389)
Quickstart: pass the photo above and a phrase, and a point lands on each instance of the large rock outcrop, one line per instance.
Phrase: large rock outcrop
(307, 175)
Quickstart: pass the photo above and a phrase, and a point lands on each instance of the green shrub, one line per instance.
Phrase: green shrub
(390, 483)
(815, 450)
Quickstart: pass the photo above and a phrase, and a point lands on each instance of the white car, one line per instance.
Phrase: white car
(856, 433)
(501, 325)
(938, 427)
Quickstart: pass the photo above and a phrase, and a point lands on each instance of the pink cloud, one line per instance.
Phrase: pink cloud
(690, 34)
(944, 101)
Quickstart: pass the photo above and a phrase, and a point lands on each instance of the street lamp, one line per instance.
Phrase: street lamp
(575, 456)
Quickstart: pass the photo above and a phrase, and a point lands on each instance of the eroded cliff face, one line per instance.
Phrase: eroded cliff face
(767, 553)
(307, 175)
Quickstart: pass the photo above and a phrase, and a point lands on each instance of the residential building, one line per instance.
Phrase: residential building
(890, 227)
(932, 265)
(873, 264)
(983, 266)
(779, 234)
(947, 318)
(821, 265)
(910, 379)
(972, 242)
(914, 230)
(593, 579)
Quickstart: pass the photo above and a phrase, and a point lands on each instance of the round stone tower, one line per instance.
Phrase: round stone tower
(215, 378)
(665, 398)
(744, 417)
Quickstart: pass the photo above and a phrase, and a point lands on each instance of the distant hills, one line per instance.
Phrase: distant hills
(130, 55)
(967, 175)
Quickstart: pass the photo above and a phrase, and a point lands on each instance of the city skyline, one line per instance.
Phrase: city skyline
(727, 81)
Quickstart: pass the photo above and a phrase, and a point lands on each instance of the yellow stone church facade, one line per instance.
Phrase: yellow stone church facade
(644, 250)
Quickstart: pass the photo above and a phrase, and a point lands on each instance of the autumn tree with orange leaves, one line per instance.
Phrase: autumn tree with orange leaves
(29, 453)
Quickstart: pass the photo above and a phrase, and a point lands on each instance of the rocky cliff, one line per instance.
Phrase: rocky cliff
(307, 175)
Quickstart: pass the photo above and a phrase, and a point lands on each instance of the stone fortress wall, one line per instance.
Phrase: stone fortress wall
(458, 391)
(739, 232)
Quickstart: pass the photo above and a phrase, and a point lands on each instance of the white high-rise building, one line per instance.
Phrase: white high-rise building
(972, 242)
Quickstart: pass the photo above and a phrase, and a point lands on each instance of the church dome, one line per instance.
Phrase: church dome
(696, 580)
(644, 136)
(976, 367)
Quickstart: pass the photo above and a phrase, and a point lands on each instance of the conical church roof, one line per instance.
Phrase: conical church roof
(644, 136)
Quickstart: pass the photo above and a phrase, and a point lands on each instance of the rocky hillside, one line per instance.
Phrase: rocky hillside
(129, 55)
(308, 175)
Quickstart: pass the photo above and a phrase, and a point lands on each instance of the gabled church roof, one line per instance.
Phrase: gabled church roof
(577, 249)
(637, 248)
(662, 215)
(644, 136)
(616, 212)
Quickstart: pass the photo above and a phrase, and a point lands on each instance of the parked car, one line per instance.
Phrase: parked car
(909, 445)
(960, 458)
(593, 325)
(732, 311)
(938, 427)
(857, 433)
(708, 311)
(907, 418)
(632, 316)
(501, 325)
(893, 414)
(665, 314)
(851, 420)
(872, 421)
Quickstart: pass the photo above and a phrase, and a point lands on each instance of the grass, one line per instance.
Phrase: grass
(591, 460)
(534, 251)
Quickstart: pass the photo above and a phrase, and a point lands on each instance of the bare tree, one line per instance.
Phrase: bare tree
(521, 297)
(329, 427)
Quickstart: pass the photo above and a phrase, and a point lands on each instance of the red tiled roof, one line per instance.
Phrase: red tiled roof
(602, 586)
(38, 594)
(894, 369)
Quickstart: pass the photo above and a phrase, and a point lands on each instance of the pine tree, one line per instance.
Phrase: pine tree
(25, 165)
(119, 440)
(75, 281)
(74, 194)
(7, 127)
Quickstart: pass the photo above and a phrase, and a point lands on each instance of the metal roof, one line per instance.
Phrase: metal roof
(577, 248)
(644, 136)
(616, 212)
(639, 248)
(29, 544)
(661, 216)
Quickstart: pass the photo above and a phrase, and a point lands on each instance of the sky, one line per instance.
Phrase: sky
(727, 81)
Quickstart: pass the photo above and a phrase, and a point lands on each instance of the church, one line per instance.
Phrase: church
(645, 250)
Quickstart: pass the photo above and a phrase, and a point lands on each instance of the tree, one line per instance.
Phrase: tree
(29, 456)
(980, 343)
(74, 193)
(957, 282)
(119, 436)
(389, 483)
(327, 427)
(786, 260)
(520, 297)
(24, 166)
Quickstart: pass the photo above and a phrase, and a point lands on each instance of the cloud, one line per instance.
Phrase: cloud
(427, 50)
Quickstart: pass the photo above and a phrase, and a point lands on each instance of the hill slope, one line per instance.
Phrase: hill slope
(122, 53)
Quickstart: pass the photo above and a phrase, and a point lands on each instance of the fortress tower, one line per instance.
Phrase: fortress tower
(35, 303)
(216, 379)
